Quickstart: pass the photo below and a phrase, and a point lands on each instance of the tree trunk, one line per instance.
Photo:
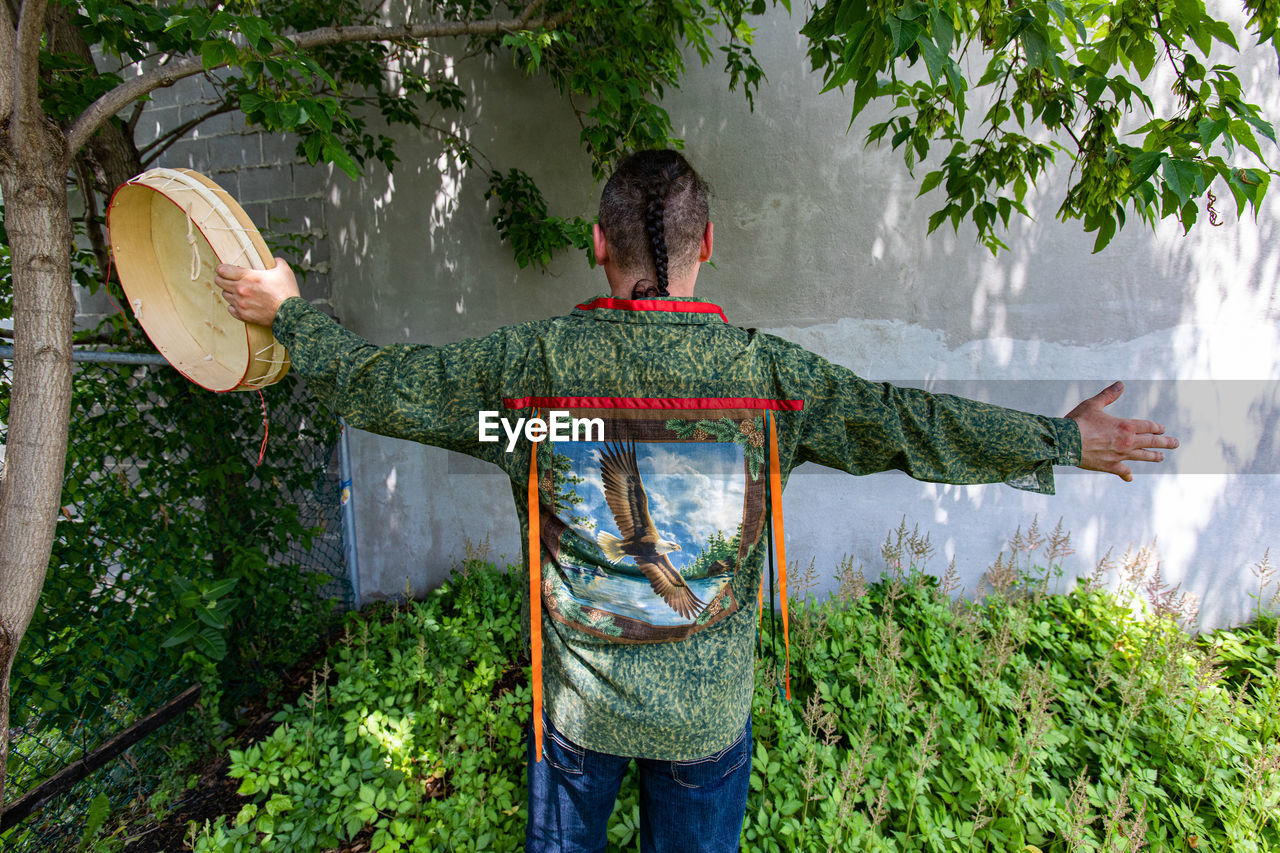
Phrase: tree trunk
(110, 156)
(33, 175)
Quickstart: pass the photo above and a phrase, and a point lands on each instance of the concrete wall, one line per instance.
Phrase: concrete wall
(822, 241)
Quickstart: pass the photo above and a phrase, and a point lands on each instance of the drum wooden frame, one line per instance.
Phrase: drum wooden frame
(169, 229)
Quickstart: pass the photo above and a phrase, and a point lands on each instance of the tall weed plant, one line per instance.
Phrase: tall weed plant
(1011, 720)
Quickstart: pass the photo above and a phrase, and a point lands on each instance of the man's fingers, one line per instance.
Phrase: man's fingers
(1110, 394)
(255, 295)
(230, 272)
(1144, 434)
(1144, 427)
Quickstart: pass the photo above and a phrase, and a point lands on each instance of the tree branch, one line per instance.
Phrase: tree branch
(129, 91)
(529, 12)
(26, 67)
(149, 153)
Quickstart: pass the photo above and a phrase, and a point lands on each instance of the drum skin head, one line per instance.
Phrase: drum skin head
(169, 229)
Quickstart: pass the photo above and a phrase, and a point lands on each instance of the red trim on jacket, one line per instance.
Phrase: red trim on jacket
(654, 305)
(683, 403)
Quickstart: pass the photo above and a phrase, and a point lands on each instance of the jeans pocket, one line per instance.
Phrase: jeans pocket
(702, 772)
(564, 754)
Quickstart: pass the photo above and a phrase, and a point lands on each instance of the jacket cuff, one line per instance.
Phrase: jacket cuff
(290, 314)
(1066, 434)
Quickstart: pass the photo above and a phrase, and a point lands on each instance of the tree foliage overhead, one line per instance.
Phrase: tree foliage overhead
(1006, 86)
(308, 67)
(994, 90)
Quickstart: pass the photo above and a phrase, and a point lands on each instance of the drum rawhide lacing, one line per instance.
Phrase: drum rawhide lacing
(167, 266)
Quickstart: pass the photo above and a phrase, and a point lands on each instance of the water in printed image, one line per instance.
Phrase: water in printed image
(661, 520)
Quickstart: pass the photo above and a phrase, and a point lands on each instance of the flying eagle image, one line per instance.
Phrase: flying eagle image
(624, 490)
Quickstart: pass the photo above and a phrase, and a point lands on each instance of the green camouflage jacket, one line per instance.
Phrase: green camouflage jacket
(653, 482)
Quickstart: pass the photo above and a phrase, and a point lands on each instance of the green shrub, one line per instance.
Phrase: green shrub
(178, 559)
(413, 729)
(1022, 721)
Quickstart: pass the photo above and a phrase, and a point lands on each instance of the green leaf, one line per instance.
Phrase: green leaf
(181, 634)
(903, 33)
(930, 181)
(1094, 86)
(934, 59)
(1143, 55)
(1240, 131)
(936, 218)
(211, 644)
(210, 618)
(1263, 127)
(1181, 177)
(1036, 46)
(1106, 230)
(1187, 215)
(850, 12)
(1144, 166)
(218, 53)
(940, 25)
(99, 811)
(1210, 129)
(220, 588)
(336, 154)
(862, 95)
(256, 31)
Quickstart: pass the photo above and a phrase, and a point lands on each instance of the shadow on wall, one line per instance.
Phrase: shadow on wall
(1190, 321)
(418, 243)
(823, 241)
(1207, 512)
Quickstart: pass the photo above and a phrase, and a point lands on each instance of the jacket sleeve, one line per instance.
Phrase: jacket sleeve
(429, 394)
(863, 427)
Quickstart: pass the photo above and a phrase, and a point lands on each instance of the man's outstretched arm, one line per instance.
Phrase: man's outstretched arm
(428, 394)
(863, 427)
(1107, 442)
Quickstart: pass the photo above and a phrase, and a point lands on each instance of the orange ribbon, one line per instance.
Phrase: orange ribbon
(779, 540)
(535, 598)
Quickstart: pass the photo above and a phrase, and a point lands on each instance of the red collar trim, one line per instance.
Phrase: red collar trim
(690, 403)
(653, 305)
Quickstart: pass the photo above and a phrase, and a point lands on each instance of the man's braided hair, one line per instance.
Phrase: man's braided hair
(653, 212)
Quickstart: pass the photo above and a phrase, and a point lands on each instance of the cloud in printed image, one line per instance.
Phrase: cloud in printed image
(694, 491)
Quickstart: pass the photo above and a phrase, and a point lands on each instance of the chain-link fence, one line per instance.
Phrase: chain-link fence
(180, 559)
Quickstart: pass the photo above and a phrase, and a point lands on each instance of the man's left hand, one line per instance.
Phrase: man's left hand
(1108, 442)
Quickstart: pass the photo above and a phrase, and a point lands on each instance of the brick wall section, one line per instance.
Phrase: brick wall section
(280, 191)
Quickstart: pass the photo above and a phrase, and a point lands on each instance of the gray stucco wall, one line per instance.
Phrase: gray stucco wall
(822, 241)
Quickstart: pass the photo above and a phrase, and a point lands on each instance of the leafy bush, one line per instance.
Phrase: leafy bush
(177, 559)
(1021, 721)
(171, 543)
(413, 729)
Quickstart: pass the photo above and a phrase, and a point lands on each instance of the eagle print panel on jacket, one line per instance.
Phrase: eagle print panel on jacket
(645, 530)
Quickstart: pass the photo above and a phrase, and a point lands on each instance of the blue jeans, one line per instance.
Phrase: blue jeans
(685, 806)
